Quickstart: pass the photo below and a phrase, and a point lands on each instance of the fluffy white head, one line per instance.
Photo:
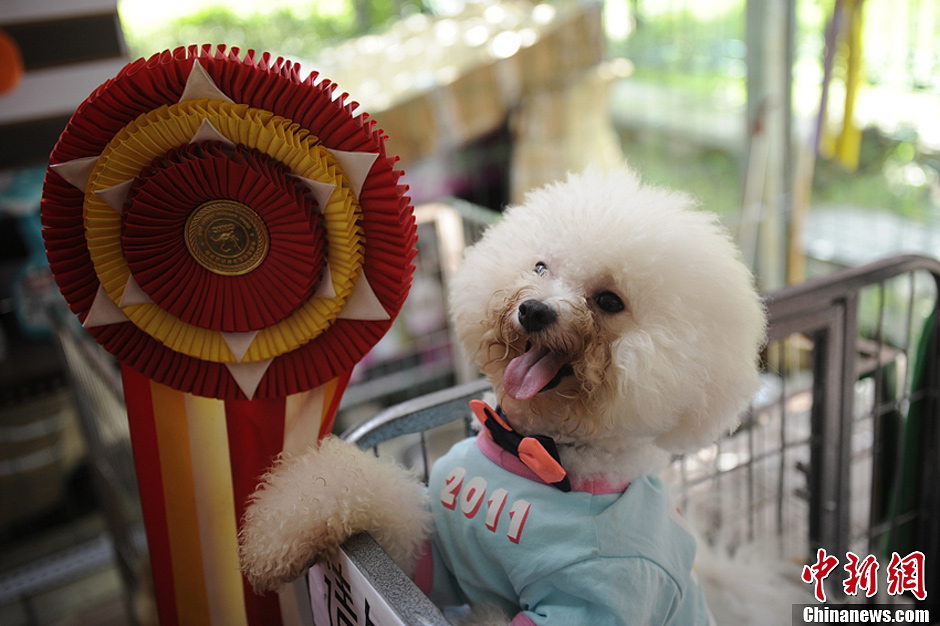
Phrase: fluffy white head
(639, 328)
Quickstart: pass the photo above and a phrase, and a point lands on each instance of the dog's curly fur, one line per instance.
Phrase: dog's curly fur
(668, 373)
(308, 504)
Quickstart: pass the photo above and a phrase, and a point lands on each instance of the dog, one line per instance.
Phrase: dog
(618, 328)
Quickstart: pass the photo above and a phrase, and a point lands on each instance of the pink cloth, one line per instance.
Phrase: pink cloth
(424, 569)
(521, 619)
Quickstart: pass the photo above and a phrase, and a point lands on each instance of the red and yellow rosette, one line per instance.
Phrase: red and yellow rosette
(238, 239)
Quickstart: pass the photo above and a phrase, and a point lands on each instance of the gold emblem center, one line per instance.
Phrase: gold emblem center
(226, 237)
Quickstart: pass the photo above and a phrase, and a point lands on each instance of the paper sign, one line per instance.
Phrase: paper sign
(340, 595)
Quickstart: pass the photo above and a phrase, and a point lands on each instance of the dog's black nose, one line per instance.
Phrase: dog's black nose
(535, 315)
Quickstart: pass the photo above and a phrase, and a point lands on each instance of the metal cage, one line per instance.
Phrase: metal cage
(839, 448)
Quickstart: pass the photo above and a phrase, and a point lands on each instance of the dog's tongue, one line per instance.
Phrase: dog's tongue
(527, 374)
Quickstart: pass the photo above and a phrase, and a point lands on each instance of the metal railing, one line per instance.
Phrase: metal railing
(839, 450)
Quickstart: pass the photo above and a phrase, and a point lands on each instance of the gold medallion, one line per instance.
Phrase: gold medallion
(226, 237)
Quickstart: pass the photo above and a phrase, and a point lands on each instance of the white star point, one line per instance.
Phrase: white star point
(133, 294)
(239, 343)
(356, 166)
(363, 304)
(200, 85)
(248, 375)
(115, 196)
(103, 311)
(208, 132)
(76, 171)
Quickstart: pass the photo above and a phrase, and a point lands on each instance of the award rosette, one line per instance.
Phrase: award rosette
(238, 239)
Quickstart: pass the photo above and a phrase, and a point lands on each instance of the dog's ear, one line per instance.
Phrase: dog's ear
(716, 415)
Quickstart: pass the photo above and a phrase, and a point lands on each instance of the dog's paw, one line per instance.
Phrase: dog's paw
(294, 518)
(307, 505)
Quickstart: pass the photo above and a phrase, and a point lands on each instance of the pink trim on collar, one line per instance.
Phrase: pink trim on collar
(521, 619)
(510, 463)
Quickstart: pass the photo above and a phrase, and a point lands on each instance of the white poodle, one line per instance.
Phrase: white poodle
(618, 327)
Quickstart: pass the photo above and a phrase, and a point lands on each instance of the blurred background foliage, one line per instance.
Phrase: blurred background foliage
(294, 30)
(694, 46)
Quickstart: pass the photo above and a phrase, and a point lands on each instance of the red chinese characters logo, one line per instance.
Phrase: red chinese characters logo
(903, 574)
(907, 574)
(861, 574)
(819, 571)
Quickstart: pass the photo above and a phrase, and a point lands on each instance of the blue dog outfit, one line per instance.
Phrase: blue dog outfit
(595, 555)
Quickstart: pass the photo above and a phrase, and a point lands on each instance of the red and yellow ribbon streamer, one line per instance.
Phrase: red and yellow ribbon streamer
(198, 461)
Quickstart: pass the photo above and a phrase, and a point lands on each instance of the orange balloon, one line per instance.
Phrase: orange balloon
(11, 63)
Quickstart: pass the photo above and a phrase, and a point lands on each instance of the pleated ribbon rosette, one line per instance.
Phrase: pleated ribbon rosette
(238, 239)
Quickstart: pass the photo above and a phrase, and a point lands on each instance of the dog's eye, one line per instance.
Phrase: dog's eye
(541, 269)
(609, 302)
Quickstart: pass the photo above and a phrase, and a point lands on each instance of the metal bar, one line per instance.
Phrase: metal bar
(806, 323)
(57, 569)
(426, 470)
(694, 482)
(827, 457)
(844, 427)
(908, 331)
(782, 467)
(720, 494)
(402, 595)
(878, 480)
(822, 293)
(415, 415)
